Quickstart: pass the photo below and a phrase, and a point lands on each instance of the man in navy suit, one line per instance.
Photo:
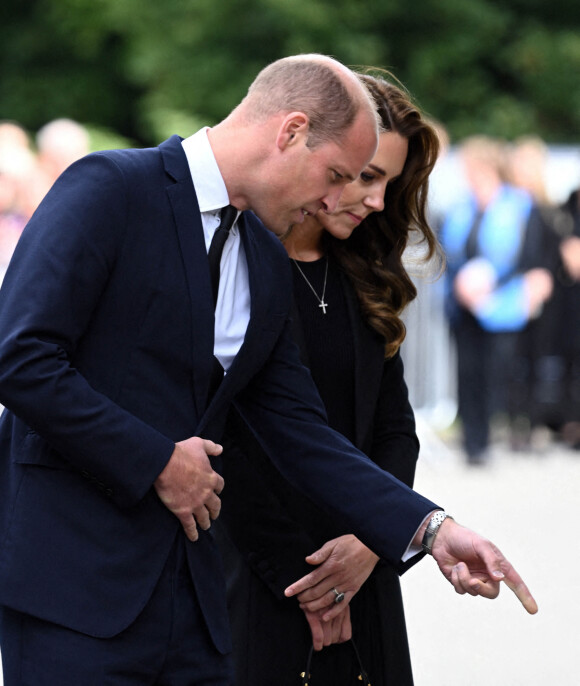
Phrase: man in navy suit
(108, 332)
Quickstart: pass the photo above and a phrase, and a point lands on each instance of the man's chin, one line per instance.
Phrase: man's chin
(285, 234)
(279, 230)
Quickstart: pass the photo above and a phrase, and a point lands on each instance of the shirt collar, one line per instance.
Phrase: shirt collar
(209, 185)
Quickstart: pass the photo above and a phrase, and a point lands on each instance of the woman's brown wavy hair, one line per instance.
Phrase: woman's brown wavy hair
(372, 255)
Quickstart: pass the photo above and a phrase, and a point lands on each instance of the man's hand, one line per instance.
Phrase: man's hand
(474, 565)
(337, 630)
(189, 487)
(343, 563)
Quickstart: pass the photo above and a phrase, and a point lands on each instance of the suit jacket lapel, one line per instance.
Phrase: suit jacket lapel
(187, 218)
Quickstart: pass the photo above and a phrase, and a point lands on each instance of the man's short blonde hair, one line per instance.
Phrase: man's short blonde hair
(316, 85)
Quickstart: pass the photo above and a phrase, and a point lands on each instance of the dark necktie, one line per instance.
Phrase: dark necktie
(227, 217)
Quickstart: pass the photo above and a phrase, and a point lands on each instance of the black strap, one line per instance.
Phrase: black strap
(472, 242)
(363, 679)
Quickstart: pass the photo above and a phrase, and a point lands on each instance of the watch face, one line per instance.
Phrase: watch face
(438, 518)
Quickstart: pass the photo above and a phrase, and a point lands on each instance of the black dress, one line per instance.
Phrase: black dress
(267, 528)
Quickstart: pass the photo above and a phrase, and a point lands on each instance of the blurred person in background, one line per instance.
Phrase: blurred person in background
(569, 294)
(59, 143)
(17, 171)
(561, 362)
(12, 135)
(533, 385)
(350, 288)
(526, 167)
(494, 286)
(26, 175)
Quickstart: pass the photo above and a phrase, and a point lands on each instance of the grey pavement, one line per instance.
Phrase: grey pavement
(526, 504)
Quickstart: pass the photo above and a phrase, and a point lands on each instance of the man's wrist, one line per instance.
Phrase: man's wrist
(432, 529)
(166, 473)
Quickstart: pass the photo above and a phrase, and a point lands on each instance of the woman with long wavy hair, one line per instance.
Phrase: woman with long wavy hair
(351, 287)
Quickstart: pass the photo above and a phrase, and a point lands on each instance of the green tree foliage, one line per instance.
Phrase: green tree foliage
(147, 68)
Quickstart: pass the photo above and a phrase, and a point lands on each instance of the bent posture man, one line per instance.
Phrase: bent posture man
(108, 333)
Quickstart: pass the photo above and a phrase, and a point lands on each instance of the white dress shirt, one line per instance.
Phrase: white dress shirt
(232, 312)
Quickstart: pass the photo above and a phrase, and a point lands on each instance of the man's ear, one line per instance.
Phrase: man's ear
(293, 129)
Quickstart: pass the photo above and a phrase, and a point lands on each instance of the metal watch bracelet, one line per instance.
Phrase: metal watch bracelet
(431, 531)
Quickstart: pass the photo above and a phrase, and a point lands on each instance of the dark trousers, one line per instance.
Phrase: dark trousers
(484, 370)
(167, 645)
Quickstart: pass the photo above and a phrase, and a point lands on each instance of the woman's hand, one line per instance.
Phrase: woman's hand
(325, 633)
(343, 564)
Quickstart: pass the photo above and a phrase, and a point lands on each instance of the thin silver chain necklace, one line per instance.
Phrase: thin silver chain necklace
(321, 302)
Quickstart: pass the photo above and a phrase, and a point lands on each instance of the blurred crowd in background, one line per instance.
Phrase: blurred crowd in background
(496, 339)
(28, 168)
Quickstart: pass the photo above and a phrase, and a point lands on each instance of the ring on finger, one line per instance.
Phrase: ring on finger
(338, 596)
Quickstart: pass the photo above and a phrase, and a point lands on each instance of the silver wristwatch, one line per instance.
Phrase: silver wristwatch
(431, 531)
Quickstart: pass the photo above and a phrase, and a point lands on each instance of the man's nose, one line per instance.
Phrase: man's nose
(330, 200)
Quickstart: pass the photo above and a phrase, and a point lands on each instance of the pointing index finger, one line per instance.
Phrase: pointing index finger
(522, 592)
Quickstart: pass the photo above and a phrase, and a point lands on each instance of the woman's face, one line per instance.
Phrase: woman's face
(367, 193)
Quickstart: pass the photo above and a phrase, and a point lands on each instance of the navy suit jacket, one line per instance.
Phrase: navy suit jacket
(106, 342)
